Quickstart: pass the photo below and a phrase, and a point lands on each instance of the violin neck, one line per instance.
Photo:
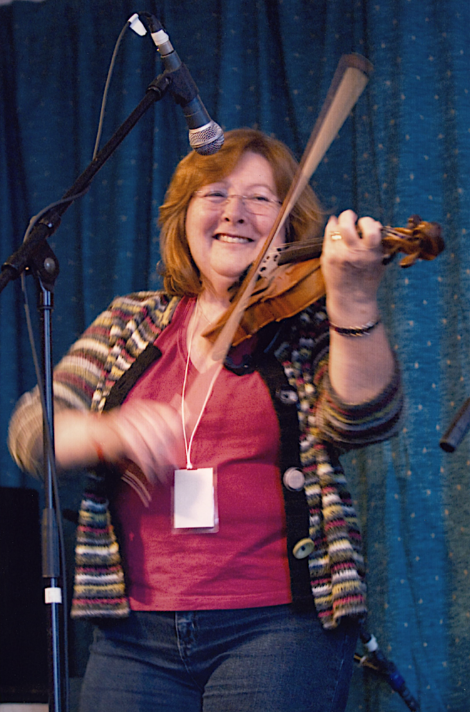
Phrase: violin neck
(299, 252)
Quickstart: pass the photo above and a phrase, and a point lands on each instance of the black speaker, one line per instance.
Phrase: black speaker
(23, 634)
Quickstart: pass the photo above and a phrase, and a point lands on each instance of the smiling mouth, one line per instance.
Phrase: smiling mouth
(233, 239)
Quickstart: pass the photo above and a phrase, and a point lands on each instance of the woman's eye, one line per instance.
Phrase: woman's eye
(259, 199)
(215, 194)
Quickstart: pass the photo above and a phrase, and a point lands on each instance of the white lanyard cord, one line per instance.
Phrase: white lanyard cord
(187, 446)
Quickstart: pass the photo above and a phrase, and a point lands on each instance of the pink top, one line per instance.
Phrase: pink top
(243, 564)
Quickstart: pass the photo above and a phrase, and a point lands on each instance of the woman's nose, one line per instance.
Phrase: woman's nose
(234, 209)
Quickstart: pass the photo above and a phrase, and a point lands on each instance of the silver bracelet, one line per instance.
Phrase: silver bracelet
(356, 330)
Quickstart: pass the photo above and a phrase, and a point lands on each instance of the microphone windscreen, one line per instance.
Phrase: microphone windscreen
(207, 140)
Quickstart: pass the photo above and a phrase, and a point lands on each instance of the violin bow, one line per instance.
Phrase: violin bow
(349, 81)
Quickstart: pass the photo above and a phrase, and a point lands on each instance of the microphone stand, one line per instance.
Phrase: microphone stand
(375, 660)
(36, 257)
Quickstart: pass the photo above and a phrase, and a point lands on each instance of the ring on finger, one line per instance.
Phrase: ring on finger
(335, 235)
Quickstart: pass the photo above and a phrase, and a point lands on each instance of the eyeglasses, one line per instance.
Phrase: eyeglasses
(256, 203)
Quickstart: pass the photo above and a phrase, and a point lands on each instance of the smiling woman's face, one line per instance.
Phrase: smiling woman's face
(225, 239)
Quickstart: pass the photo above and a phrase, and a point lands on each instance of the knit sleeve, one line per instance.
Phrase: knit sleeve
(99, 357)
(75, 380)
(354, 426)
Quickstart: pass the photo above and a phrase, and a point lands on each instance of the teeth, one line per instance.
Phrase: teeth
(231, 238)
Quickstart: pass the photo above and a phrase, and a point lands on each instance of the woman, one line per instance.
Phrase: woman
(243, 572)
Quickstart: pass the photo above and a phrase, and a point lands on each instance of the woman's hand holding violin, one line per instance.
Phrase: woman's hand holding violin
(352, 268)
(361, 362)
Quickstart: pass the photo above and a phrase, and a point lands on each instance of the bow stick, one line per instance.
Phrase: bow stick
(349, 81)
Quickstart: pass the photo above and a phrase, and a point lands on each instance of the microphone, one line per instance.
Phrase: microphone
(457, 429)
(205, 136)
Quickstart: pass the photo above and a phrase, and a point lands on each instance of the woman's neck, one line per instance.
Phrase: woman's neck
(207, 311)
(212, 305)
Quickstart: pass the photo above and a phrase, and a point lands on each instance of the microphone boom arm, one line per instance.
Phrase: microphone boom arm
(50, 221)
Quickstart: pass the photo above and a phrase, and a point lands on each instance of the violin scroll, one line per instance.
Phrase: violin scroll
(419, 240)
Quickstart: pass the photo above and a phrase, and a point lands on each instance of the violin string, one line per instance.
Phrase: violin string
(386, 230)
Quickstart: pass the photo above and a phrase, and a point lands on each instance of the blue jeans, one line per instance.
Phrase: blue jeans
(270, 659)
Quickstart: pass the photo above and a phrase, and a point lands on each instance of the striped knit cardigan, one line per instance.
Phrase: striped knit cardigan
(91, 375)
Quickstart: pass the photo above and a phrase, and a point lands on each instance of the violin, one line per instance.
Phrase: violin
(290, 278)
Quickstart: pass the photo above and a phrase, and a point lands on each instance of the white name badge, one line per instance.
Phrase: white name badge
(194, 499)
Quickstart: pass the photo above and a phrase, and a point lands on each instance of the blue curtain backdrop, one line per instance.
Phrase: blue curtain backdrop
(405, 150)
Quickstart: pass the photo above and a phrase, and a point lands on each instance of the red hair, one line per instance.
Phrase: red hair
(180, 274)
